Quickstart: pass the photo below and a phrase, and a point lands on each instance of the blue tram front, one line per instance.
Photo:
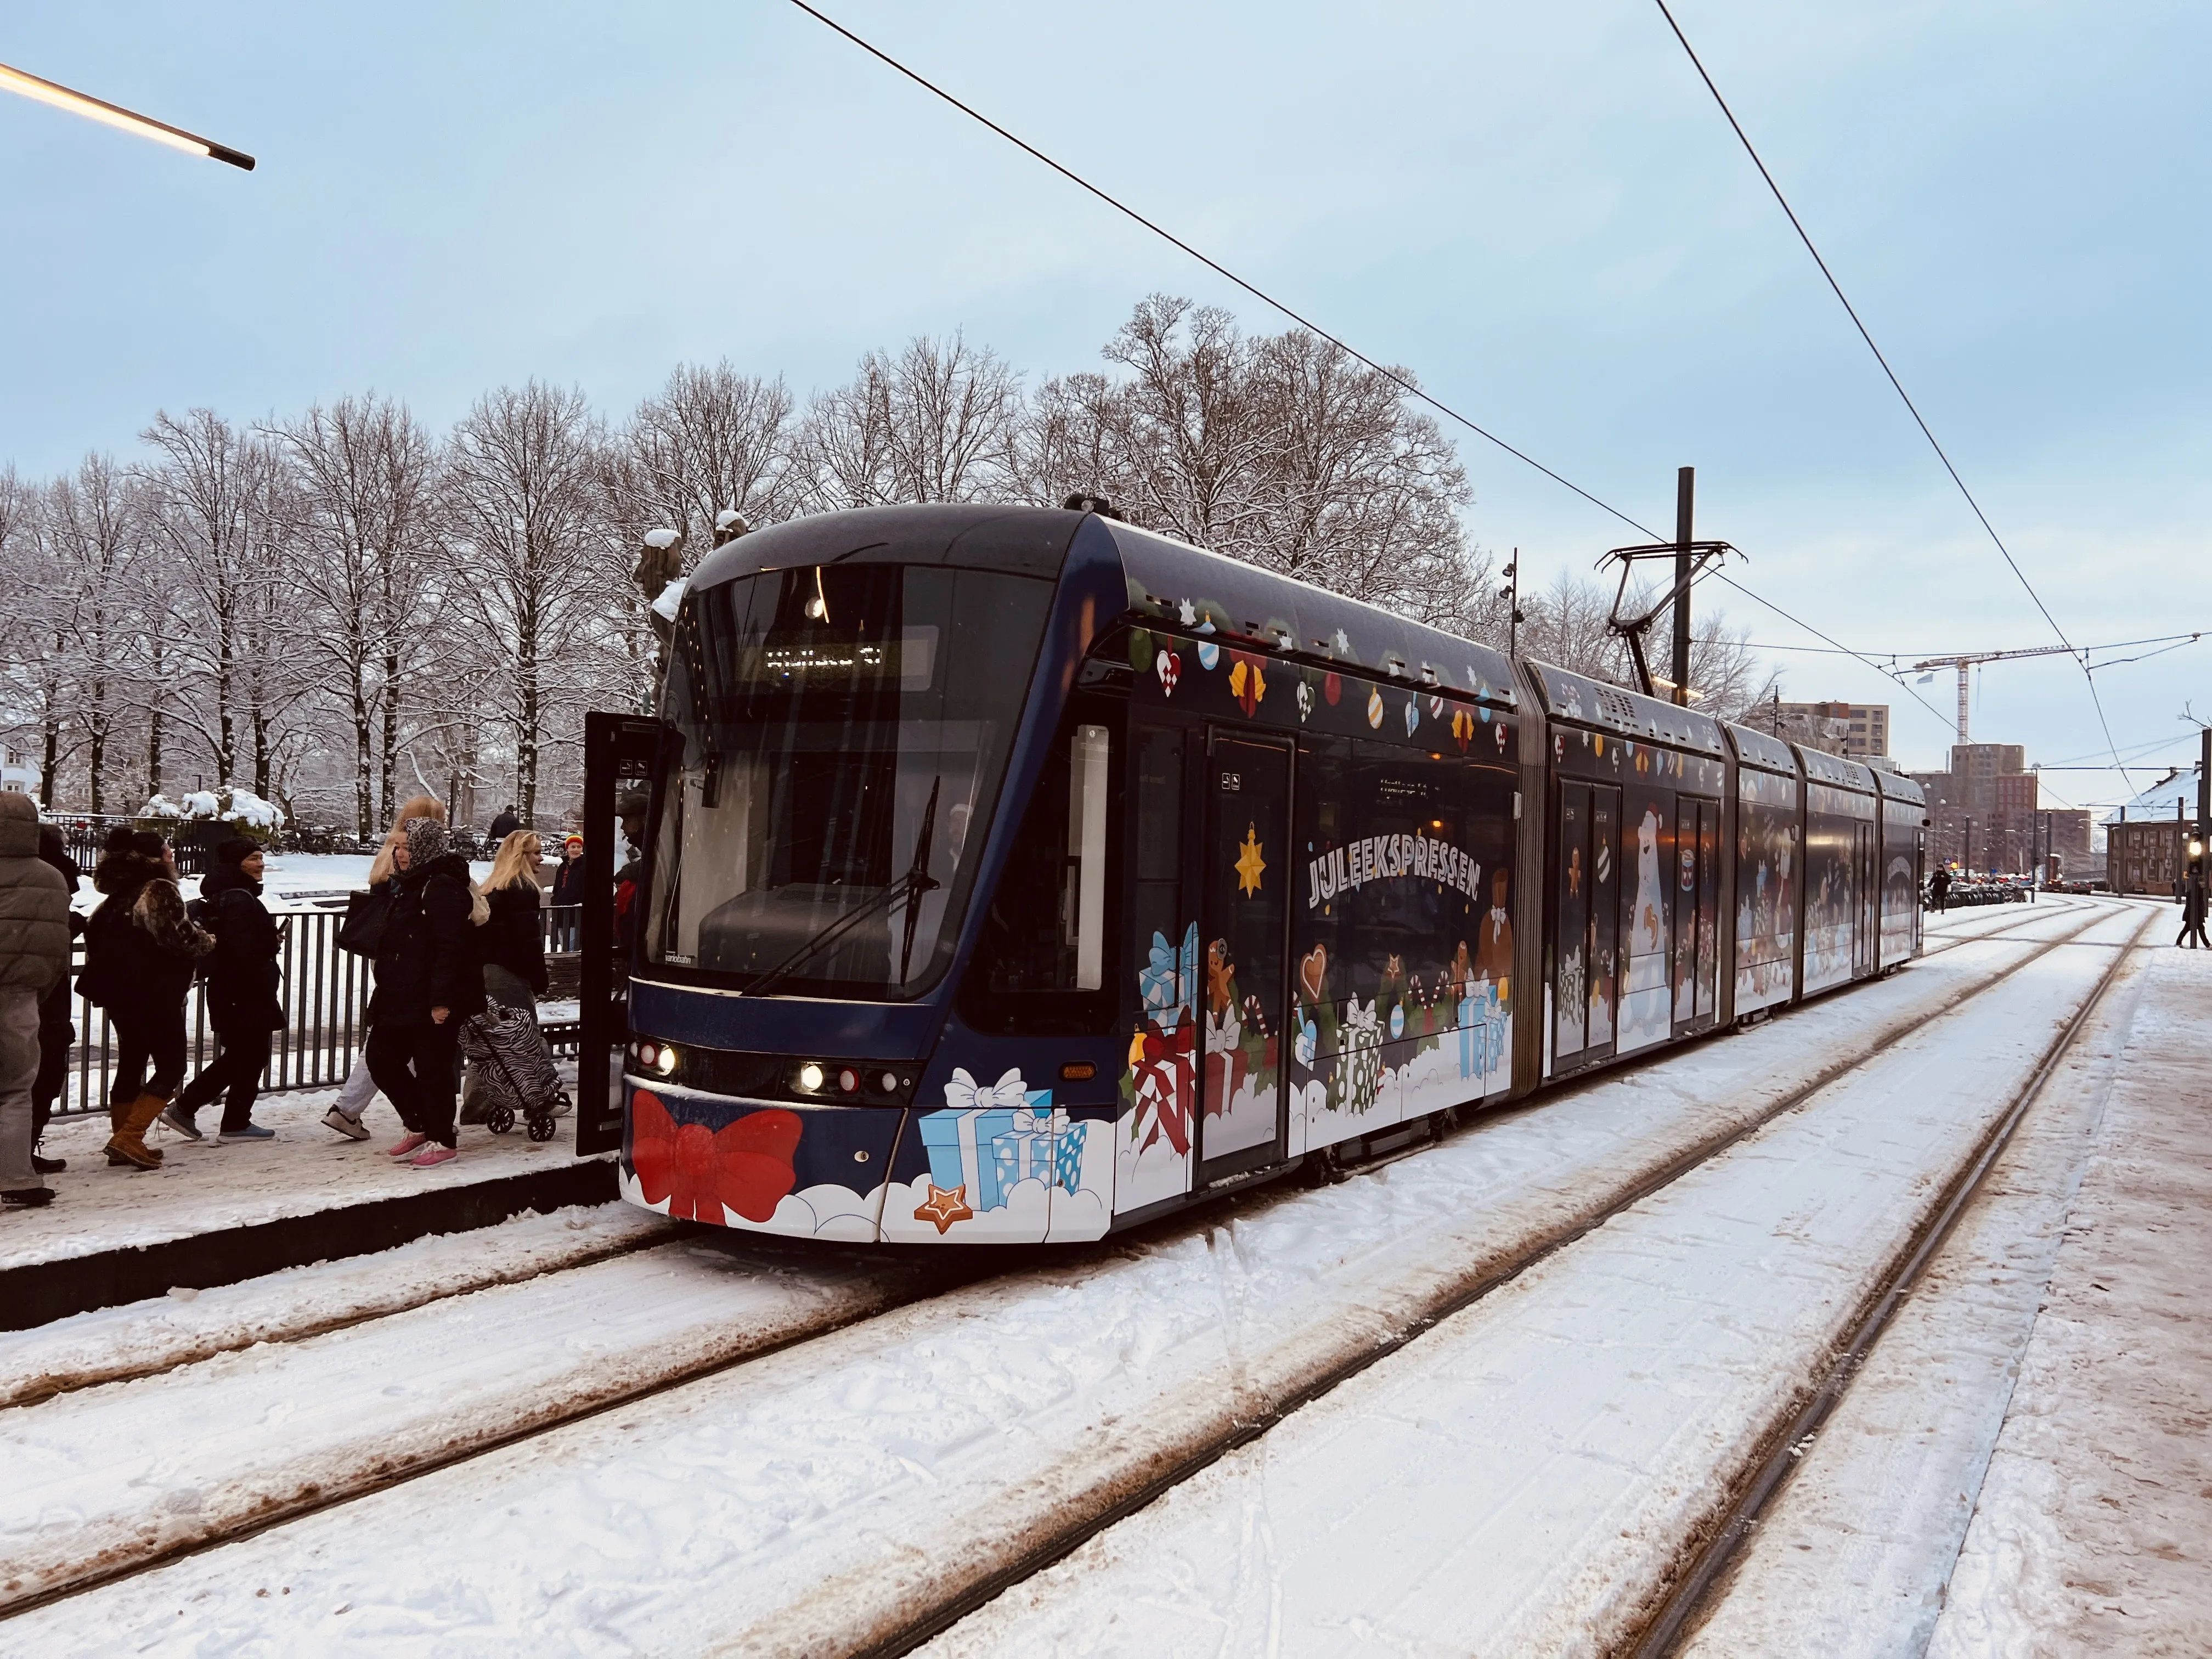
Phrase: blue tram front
(1012, 875)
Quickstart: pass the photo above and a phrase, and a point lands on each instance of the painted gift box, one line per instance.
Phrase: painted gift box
(990, 1149)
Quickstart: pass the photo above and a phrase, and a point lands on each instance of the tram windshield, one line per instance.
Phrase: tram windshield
(844, 731)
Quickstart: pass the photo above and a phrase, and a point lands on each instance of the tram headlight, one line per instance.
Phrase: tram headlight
(657, 1057)
(809, 1076)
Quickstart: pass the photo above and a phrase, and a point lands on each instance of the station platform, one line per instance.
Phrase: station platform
(2093, 1529)
(215, 1214)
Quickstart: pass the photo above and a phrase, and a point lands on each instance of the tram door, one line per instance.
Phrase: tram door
(1696, 896)
(1245, 893)
(1866, 937)
(1589, 908)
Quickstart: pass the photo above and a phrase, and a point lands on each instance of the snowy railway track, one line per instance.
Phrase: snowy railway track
(1691, 1594)
(1177, 1348)
(1532, 1475)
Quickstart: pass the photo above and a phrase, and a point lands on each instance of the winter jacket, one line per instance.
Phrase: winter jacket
(514, 938)
(569, 882)
(244, 980)
(503, 826)
(141, 944)
(34, 936)
(429, 956)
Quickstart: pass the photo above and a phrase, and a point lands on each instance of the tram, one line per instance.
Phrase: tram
(1017, 875)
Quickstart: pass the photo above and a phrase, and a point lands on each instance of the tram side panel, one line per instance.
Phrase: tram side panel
(1403, 942)
(1902, 817)
(1767, 877)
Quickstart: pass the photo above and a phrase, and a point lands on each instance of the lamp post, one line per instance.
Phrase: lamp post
(114, 115)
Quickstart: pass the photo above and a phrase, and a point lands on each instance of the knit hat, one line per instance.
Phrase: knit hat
(236, 850)
(572, 841)
(427, 839)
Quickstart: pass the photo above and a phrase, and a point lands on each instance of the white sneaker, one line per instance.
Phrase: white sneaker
(352, 1127)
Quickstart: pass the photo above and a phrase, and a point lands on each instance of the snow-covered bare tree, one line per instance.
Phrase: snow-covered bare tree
(367, 483)
(938, 422)
(92, 531)
(209, 490)
(529, 553)
(711, 440)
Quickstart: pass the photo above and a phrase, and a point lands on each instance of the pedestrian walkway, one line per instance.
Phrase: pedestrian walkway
(214, 1214)
(2093, 1531)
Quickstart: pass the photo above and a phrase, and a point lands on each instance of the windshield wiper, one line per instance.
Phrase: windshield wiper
(911, 886)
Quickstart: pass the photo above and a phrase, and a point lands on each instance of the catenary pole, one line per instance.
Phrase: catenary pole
(1686, 491)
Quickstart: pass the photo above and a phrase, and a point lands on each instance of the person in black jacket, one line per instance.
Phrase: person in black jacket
(139, 950)
(429, 980)
(505, 826)
(56, 1029)
(513, 945)
(244, 1001)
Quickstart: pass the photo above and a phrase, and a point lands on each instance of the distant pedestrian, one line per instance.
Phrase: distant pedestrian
(140, 948)
(360, 1088)
(34, 952)
(56, 1031)
(429, 980)
(244, 1003)
(569, 892)
(505, 826)
(1939, 889)
(2192, 915)
(513, 945)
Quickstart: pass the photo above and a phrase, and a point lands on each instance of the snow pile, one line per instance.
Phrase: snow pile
(231, 805)
(662, 539)
(671, 598)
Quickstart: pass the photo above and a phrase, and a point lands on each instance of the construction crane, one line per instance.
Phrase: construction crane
(1963, 663)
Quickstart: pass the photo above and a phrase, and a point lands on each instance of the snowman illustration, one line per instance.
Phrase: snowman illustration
(1650, 895)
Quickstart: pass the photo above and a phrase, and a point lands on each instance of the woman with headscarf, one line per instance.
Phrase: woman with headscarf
(139, 950)
(359, 1088)
(513, 945)
(429, 978)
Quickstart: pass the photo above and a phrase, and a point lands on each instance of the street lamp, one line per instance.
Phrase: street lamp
(114, 115)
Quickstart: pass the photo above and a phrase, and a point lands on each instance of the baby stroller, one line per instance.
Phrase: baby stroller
(517, 1071)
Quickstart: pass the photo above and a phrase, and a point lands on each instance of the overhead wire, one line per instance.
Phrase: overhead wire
(1912, 408)
(1410, 388)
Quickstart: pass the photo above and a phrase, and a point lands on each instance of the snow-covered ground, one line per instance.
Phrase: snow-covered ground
(1524, 1479)
(1854, 1554)
(103, 1476)
(2093, 1532)
(141, 1338)
(817, 1497)
(206, 1186)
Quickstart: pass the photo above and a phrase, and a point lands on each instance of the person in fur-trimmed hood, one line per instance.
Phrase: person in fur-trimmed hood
(429, 978)
(139, 950)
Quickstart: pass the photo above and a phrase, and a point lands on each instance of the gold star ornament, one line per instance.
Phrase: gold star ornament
(1249, 864)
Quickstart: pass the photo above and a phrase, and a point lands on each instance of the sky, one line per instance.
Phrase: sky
(1538, 211)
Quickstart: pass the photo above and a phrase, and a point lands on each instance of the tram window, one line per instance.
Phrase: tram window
(1041, 962)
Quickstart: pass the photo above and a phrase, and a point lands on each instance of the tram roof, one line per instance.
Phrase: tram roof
(1586, 702)
(1170, 583)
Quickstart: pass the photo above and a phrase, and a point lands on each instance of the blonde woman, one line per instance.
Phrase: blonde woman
(512, 945)
(359, 1088)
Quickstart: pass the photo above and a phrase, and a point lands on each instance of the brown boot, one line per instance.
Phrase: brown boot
(129, 1142)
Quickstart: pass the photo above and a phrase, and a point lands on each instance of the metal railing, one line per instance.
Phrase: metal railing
(325, 998)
